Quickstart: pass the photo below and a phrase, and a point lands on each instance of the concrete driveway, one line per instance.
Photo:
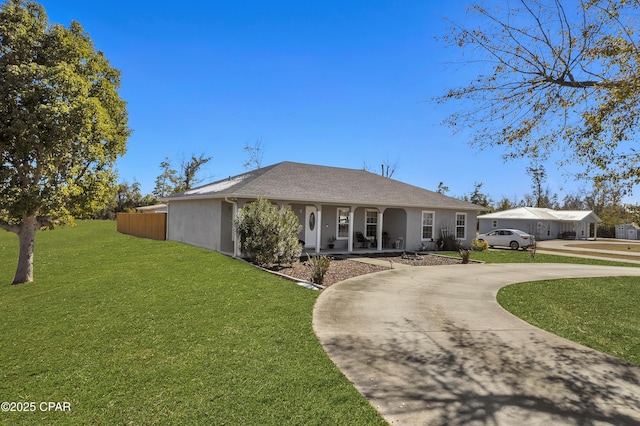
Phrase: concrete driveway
(431, 346)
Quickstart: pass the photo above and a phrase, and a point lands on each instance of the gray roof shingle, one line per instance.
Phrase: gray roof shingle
(322, 184)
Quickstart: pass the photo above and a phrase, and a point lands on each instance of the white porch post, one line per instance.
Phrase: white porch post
(379, 230)
(318, 229)
(235, 235)
(350, 247)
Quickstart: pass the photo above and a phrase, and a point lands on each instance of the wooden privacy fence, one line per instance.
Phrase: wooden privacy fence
(144, 225)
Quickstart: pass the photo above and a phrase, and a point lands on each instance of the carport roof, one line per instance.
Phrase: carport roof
(297, 182)
(535, 213)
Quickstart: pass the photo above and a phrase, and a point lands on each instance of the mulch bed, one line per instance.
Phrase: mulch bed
(342, 269)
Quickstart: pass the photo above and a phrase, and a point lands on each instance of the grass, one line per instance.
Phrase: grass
(519, 256)
(624, 247)
(134, 331)
(595, 312)
(601, 313)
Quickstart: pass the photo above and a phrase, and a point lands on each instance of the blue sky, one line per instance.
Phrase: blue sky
(334, 83)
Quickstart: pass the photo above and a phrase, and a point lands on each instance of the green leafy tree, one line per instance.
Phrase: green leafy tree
(268, 234)
(480, 198)
(129, 196)
(538, 177)
(63, 125)
(170, 181)
(543, 199)
(167, 181)
(505, 204)
(573, 202)
(558, 76)
(126, 198)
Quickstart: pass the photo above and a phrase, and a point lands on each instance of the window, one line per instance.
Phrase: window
(343, 223)
(461, 222)
(371, 224)
(427, 225)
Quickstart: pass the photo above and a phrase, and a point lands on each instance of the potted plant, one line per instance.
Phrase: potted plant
(332, 241)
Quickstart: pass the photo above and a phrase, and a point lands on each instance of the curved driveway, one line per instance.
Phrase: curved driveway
(431, 346)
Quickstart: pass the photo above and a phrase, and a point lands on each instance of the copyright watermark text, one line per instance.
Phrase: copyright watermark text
(30, 406)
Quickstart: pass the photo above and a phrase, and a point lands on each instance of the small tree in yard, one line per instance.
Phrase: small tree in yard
(269, 235)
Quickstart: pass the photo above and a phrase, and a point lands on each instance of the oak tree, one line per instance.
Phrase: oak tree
(561, 77)
(62, 127)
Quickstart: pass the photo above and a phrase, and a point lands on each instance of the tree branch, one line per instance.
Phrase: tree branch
(9, 227)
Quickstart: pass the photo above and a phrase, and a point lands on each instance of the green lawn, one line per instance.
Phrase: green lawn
(134, 331)
(519, 256)
(624, 247)
(601, 313)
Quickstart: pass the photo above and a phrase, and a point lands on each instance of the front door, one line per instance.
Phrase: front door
(310, 227)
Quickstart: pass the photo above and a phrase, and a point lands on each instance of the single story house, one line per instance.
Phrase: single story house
(545, 224)
(628, 231)
(155, 208)
(336, 206)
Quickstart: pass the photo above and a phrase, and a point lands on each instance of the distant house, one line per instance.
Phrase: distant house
(545, 224)
(351, 209)
(156, 208)
(628, 231)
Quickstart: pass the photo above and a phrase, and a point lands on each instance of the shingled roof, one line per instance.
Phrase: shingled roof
(299, 182)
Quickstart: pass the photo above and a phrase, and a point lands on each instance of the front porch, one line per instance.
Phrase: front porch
(340, 230)
(356, 252)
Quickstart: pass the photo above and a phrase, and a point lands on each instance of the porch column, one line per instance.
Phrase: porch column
(235, 235)
(350, 244)
(595, 231)
(379, 230)
(318, 229)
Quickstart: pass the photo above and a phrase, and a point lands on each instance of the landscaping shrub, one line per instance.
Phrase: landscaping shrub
(465, 255)
(448, 243)
(477, 245)
(269, 235)
(319, 266)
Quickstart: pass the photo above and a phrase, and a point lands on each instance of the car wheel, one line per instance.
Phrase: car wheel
(514, 245)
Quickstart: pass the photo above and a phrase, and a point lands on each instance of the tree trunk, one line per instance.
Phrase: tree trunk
(27, 236)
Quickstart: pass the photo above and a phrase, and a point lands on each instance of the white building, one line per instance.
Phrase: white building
(545, 224)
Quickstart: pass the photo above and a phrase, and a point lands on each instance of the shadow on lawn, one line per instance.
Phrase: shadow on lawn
(468, 377)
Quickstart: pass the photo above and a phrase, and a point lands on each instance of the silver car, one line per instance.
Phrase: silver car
(512, 238)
